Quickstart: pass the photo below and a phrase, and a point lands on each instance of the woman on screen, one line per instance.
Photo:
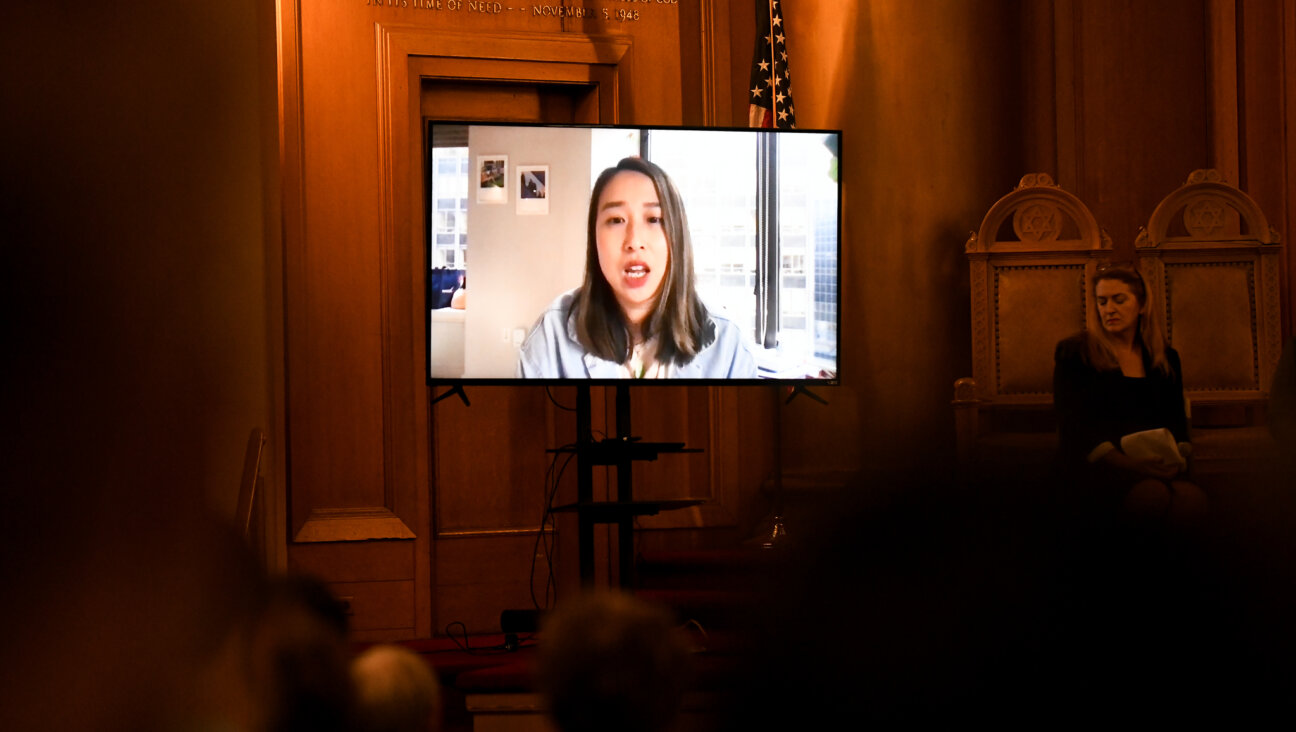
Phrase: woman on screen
(637, 314)
(1113, 382)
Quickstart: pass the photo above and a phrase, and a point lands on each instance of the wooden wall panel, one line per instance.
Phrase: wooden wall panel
(927, 95)
(377, 610)
(369, 560)
(741, 24)
(479, 577)
(1037, 87)
(704, 419)
(1266, 96)
(374, 579)
(334, 303)
(708, 60)
(1223, 84)
(1285, 219)
(499, 441)
(1151, 90)
(1136, 85)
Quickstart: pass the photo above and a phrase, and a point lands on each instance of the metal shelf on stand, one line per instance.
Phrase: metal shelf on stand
(621, 451)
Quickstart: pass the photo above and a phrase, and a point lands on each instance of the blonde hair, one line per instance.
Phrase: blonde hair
(1149, 332)
(395, 690)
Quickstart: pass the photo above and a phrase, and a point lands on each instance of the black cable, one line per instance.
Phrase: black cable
(544, 520)
(551, 491)
(555, 401)
(551, 583)
(551, 579)
(544, 517)
(638, 538)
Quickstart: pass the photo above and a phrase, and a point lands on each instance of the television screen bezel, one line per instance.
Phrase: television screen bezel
(431, 381)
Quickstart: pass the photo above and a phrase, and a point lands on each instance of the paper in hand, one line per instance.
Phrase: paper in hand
(1158, 443)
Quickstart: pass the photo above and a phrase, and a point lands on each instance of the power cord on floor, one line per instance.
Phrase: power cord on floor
(508, 646)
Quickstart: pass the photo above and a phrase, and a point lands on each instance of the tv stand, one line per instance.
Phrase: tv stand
(456, 390)
(776, 534)
(622, 451)
(803, 389)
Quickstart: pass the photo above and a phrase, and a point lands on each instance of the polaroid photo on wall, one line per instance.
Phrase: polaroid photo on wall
(492, 184)
(533, 190)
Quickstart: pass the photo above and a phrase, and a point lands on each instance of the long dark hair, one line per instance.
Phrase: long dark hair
(678, 319)
(1148, 332)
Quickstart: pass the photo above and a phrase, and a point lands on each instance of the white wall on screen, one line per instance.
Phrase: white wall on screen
(517, 265)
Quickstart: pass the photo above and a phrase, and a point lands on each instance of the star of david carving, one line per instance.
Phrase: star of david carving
(1037, 223)
(1204, 217)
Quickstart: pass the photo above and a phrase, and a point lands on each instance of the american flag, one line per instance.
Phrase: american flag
(771, 86)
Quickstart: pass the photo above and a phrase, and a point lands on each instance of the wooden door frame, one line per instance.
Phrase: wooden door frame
(407, 55)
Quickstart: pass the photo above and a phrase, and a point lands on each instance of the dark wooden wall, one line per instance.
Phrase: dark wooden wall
(140, 194)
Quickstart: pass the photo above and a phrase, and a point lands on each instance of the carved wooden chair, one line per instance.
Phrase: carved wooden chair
(1029, 264)
(1209, 254)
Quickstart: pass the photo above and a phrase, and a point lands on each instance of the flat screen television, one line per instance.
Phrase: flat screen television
(530, 281)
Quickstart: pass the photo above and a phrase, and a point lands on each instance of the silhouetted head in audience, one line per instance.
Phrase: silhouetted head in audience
(301, 647)
(609, 661)
(395, 691)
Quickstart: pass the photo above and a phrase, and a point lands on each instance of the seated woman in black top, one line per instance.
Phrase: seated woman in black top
(1115, 380)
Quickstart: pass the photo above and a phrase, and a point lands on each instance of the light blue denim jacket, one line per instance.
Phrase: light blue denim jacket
(551, 351)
